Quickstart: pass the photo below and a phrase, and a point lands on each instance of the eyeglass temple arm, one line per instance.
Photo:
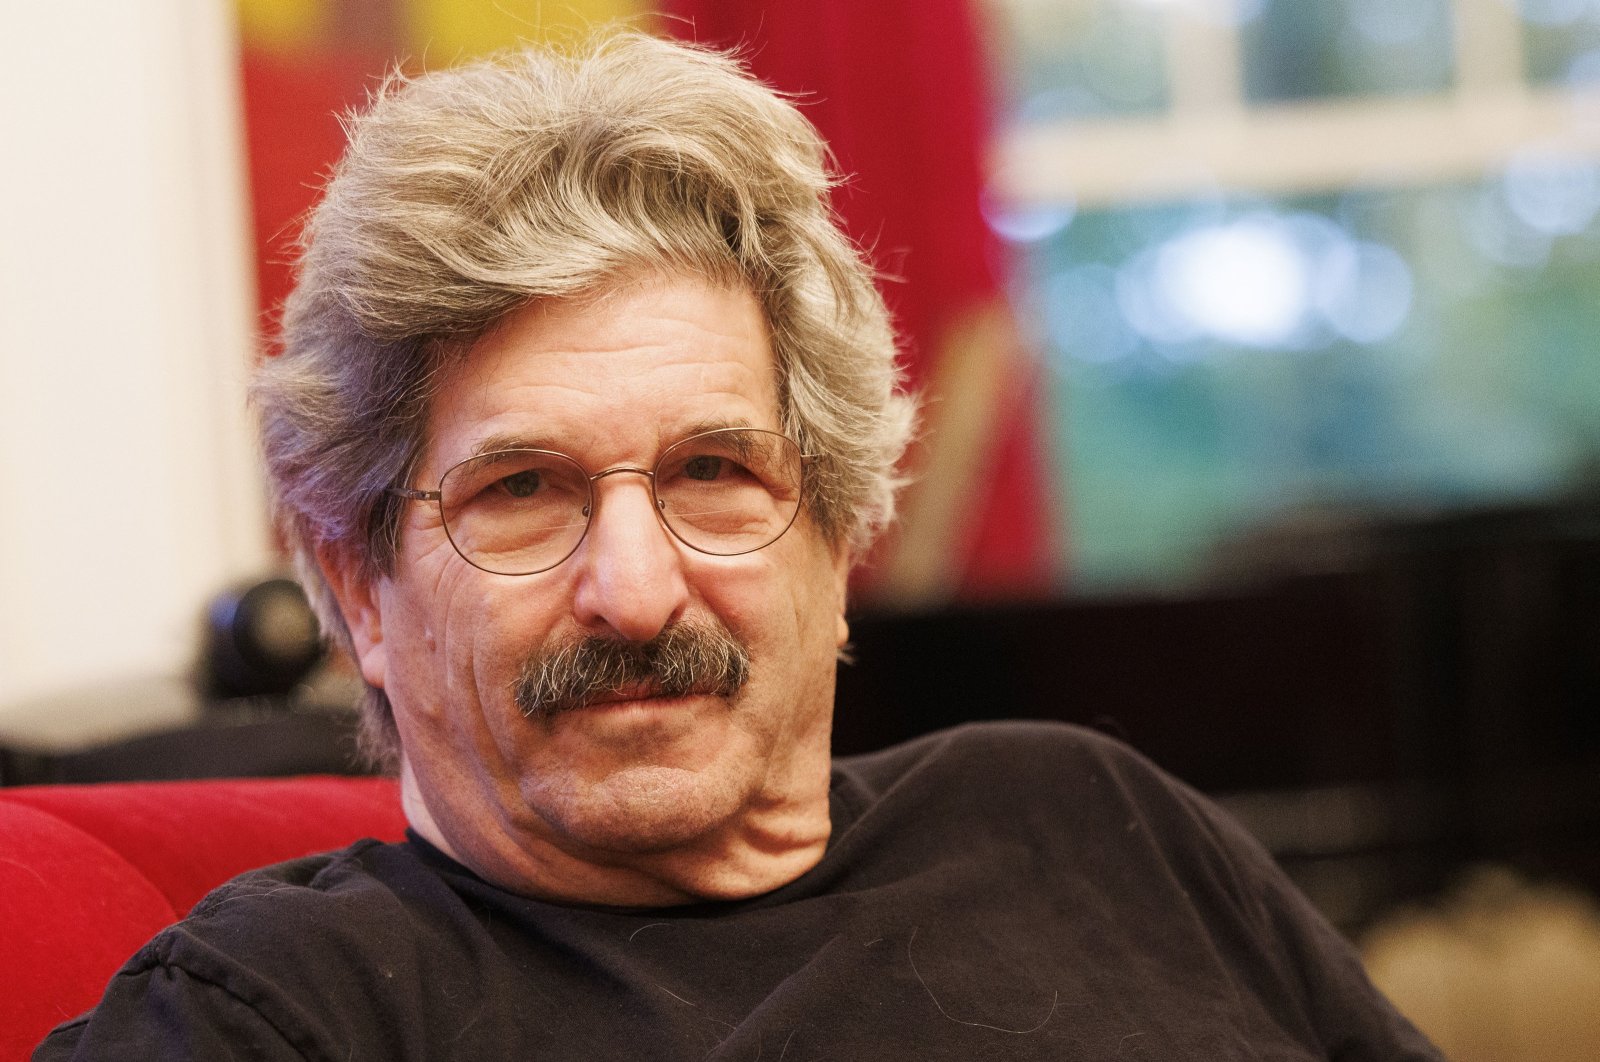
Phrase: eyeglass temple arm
(414, 495)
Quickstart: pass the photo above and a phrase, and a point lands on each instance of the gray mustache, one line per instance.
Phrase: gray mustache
(685, 658)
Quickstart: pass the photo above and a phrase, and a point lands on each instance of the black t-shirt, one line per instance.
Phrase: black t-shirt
(995, 892)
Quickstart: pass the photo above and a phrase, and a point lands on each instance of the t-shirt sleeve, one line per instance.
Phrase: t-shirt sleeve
(167, 1014)
(1350, 1016)
(1211, 897)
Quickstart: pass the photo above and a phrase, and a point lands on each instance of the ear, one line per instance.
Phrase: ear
(843, 561)
(358, 602)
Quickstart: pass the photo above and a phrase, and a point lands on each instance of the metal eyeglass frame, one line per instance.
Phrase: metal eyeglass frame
(414, 494)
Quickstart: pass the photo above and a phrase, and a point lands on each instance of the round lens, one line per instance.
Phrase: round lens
(730, 491)
(515, 512)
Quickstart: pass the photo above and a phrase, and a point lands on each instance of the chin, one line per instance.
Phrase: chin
(643, 810)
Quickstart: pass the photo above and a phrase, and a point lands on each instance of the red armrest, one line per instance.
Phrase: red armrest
(89, 873)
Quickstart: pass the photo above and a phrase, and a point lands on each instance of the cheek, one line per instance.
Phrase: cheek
(749, 595)
(494, 627)
(448, 635)
(781, 603)
(457, 710)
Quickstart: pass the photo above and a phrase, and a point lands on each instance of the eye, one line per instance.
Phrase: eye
(521, 484)
(703, 467)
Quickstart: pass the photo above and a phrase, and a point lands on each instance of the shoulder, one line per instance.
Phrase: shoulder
(1061, 790)
(318, 918)
(348, 881)
(1012, 737)
(1032, 781)
(1015, 753)
(283, 959)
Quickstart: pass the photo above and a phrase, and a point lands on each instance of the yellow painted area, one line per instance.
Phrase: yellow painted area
(282, 25)
(443, 32)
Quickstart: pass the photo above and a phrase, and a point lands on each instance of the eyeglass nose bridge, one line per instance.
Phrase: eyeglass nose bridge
(617, 469)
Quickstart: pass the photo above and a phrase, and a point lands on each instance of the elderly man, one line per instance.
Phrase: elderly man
(584, 409)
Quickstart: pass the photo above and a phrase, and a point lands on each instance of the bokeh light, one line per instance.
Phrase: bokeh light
(1551, 193)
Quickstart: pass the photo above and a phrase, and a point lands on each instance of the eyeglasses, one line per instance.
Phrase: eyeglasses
(520, 512)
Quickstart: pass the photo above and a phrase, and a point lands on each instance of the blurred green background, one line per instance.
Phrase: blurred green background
(1221, 361)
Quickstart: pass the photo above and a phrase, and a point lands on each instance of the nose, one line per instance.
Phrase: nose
(630, 577)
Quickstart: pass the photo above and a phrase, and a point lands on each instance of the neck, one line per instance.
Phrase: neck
(770, 845)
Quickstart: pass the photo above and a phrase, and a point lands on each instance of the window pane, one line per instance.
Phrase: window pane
(1071, 58)
(1306, 49)
(1218, 365)
(1561, 40)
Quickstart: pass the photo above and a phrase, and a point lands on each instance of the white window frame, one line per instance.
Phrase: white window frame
(1210, 139)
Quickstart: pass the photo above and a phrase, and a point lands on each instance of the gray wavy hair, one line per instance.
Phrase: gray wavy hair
(545, 174)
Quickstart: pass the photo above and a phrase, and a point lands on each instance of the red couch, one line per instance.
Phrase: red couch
(88, 873)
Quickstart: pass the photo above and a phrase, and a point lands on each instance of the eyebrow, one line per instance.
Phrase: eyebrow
(510, 441)
(515, 441)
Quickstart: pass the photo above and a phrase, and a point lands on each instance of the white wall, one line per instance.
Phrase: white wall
(128, 484)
